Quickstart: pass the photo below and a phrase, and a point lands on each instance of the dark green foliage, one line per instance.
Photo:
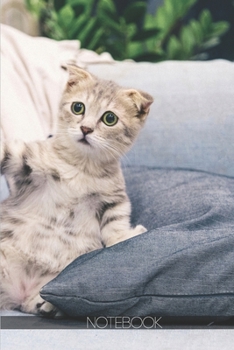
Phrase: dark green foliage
(135, 34)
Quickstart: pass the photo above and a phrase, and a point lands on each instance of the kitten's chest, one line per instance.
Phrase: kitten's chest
(75, 199)
(69, 196)
(62, 220)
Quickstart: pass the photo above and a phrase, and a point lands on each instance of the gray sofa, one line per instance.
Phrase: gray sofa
(180, 181)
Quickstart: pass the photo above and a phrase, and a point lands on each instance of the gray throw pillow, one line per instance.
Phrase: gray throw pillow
(184, 265)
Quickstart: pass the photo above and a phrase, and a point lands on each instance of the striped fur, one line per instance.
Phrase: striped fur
(67, 192)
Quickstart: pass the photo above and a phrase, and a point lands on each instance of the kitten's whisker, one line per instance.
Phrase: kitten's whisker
(109, 149)
(120, 153)
(115, 150)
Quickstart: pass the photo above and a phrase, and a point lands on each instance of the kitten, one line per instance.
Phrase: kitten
(68, 192)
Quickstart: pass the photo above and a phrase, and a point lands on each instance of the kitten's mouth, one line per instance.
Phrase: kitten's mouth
(84, 141)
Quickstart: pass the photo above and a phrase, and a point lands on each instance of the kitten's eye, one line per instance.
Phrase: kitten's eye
(78, 108)
(109, 119)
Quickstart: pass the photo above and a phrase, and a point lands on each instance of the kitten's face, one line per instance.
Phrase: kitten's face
(99, 117)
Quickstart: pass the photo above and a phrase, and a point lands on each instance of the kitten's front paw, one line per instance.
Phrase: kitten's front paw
(139, 229)
(46, 309)
(40, 307)
(122, 236)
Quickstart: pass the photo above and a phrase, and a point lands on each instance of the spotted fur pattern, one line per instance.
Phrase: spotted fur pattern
(67, 193)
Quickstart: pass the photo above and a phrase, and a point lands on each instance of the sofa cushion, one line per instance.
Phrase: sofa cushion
(183, 266)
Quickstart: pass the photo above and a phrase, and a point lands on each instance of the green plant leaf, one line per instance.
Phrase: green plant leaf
(130, 30)
(106, 8)
(111, 25)
(187, 40)
(185, 6)
(77, 26)
(145, 34)
(107, 5)
(181, 7)
(169, 9)
(161, 18)
(135, 12)
(149, 21)
(35, 6)
(98, 26)
(115, 47)
(88, 32)
(220, 28)
(135, 48)
(170, 13)
(148, 57)
(210, 43)
(174, 48)
(95, 40)
(79, 6)
(178, 8)
(54, 30)
(82, 6)
(197, 31)
(66, 16)
(206, 21)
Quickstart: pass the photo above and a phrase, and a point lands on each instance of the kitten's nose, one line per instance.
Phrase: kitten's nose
(86, 130)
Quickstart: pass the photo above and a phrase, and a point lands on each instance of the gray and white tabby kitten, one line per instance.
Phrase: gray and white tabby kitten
(68, 193)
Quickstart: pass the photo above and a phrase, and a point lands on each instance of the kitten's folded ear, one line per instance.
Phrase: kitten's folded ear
(142, 101)
(77, 75)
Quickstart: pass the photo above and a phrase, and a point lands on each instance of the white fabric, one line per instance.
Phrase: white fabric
(33, 80)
